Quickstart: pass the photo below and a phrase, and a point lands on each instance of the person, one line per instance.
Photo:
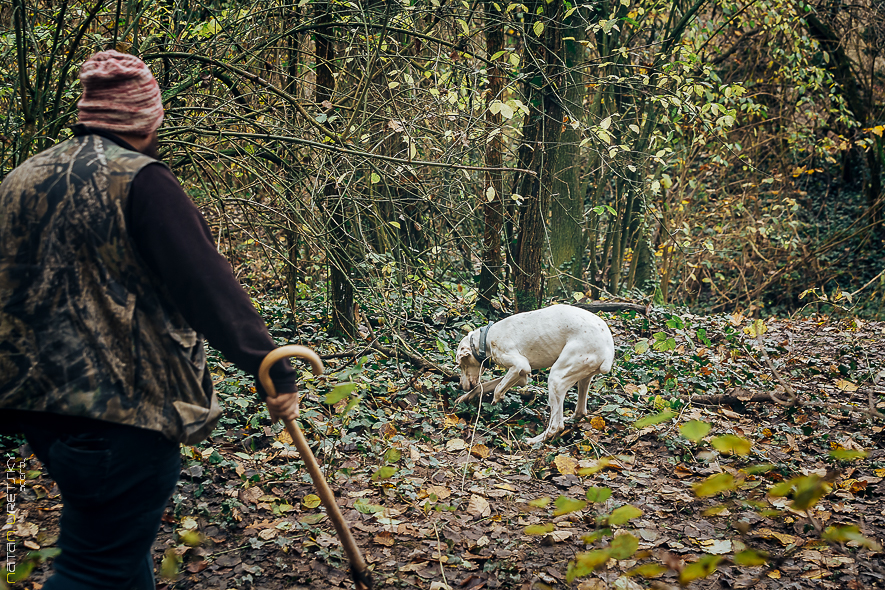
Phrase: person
(109, 280)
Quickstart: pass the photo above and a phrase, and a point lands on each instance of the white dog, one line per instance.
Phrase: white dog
(576, 344)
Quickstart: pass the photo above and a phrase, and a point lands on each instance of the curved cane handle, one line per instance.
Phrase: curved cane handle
(283, 352)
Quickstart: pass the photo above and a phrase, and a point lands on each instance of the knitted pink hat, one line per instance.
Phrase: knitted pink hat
(119, 94)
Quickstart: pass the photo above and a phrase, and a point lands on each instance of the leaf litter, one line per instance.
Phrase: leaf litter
(652, 489)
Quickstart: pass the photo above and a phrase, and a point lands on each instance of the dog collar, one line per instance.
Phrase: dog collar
(481, 355)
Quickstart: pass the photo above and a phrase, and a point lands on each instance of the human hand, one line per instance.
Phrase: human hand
(285, 406)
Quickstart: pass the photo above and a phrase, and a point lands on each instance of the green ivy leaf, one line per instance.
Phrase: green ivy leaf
(713, 485)
(846, 533)
(384, 473)
(339, 393)
(656, 419)
(699, 569)
(598, 495)
(596, 535)
(566, 505)
(624, 514)
(585, 563)
(623, 546)
(751, 558)
(539, 529)
(694, 430)
(731, 444)
(848, 455)
(364, 507)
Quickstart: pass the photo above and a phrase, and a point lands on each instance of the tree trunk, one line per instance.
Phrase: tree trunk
(493, 187)
(548, 70)
(338, 259)
(567, 208)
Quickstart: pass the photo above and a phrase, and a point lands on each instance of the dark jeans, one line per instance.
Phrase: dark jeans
(115, 482)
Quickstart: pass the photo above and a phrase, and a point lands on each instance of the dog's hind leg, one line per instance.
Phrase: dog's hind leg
(558, 386)
(581, 408)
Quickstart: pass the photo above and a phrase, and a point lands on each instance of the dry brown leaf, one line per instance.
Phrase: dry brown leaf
(442, 492)
(456, 444)
(384, 538)
(783, 538)
(267, 534)
(844, 385)
(478, 507)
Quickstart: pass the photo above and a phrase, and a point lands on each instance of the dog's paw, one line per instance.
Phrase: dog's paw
(537, 439)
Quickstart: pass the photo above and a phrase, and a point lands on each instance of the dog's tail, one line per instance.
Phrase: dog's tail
(613, 306)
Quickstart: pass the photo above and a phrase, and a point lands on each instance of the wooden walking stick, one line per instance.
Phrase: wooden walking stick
(358, 568)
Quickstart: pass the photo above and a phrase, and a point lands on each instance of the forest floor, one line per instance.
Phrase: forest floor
(440, 496)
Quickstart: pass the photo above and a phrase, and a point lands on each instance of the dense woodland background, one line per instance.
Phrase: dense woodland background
(715, 154)
(385, 177)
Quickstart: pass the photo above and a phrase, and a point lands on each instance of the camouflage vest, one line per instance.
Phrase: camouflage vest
(85, 328)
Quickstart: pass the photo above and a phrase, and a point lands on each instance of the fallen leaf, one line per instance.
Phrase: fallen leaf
(844, 385)
(480, 450)
(441, 492)
(565, 464)
(384, 538)
(267, 534)
(558, 536)
(478, 507)
(783, 538)
(716, 546)
(456, 444)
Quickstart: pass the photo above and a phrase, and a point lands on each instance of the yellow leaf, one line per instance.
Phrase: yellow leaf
(539, 529)
(597, 422)
(311, 501)
(480, 450)
(565, 464)
(452, 420)
(602, 463)
(285, 437)
(844, 385)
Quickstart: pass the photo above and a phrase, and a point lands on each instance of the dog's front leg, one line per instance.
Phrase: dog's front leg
(516, 375)
(479, 389)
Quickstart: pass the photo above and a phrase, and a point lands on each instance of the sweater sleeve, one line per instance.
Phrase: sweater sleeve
(173, 238)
